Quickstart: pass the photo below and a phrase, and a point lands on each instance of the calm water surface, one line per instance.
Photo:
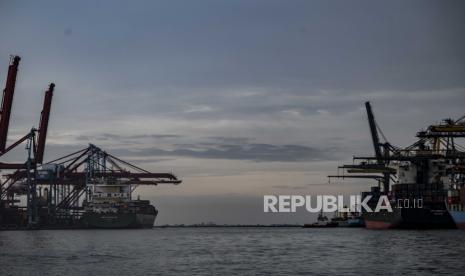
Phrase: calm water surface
(232, 251)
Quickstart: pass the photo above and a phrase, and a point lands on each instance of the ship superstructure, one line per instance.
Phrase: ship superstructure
(110, 205)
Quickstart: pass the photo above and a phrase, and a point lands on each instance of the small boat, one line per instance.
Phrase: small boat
(348, 218)
(322, 222)
(341, 218)
(355, 221)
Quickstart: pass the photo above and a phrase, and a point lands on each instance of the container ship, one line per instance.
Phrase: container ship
(416, 180)
(89, 188)
(98, 197)
(111, 206)
(456, 205)
(417, 198)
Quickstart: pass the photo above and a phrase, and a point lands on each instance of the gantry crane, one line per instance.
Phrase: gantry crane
(379, 170)
(56, 190)
(437, 142)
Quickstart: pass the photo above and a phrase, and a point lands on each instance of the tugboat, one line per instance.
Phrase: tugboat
(355, 220)
(111, 207)
(321, 222)
(341, 218)
(347, 218)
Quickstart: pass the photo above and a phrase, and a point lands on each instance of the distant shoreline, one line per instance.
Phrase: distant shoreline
(229, 226)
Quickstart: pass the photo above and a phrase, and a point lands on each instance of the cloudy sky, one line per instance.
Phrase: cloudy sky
(238, 98)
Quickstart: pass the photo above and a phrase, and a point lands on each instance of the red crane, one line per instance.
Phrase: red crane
(44, 117)
(7, 101)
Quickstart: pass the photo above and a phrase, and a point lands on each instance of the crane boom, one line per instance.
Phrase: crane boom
(374, 132)
(43, 126)
(7, 101)
(380, 158)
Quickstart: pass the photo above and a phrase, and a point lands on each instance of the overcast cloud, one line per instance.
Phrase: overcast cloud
(242, 97)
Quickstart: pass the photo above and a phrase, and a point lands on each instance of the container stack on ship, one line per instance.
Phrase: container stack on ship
(424, 182)
(89, 188)
(110, 206)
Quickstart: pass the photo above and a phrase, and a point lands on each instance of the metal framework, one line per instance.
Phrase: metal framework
(437, 142)
(55, 191)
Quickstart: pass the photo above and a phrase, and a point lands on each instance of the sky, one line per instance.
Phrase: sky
(241, 98)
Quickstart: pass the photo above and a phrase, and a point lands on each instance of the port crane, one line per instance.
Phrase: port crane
(437, 141)
(55, 190)
(379, 169)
